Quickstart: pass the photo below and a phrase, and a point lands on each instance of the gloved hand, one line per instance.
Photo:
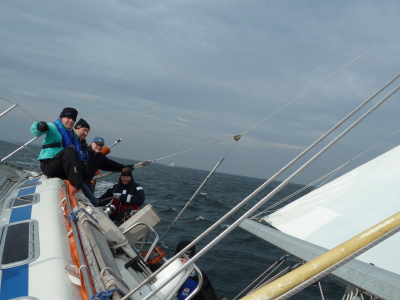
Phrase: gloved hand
(130, 166)
(42, 126)
(122, 198)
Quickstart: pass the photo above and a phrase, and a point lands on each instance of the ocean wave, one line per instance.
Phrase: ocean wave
(199, 218)
(224, 226)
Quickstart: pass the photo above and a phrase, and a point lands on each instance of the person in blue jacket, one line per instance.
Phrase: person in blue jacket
(61, 155)
(81, 130)
(206, 291)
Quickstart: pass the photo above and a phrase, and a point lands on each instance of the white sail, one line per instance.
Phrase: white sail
(347, 206)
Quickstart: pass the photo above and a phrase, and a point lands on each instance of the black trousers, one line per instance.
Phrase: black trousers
(65, 165)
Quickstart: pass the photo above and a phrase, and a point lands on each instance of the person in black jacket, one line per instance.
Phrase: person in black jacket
(98, 161)
(126, 196)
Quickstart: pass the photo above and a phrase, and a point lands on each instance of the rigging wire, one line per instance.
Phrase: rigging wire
(199, 188)
(194, 148)
(21, 145)
(323, 80)
(16, 105)
(259, 279)
(145, 163)
(321, 290)
(7, 100)
(338, 264)
(237, 137)
(277, 110)
(284, 106)
(266, 198)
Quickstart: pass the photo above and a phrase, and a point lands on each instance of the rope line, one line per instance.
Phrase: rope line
(254, 208)
(6, 100)
(275, 265)
(290, 102)
(22, 145)
(338, 264)
(197, 147)
(252, 127)
(19, 106)
(107, 294)
(321, 290)
(27, 113)
(237, 138)
(19, 144)
(323, 80)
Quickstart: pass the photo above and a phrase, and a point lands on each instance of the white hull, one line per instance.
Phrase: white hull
(45, 268)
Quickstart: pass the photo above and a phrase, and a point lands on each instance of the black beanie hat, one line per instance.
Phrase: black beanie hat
(69, 112)
(182, 244)
(82, 123)
(126, 172)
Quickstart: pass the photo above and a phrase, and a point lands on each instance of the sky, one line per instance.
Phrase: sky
(171, 76)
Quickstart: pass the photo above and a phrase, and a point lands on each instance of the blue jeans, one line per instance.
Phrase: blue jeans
(88, 193)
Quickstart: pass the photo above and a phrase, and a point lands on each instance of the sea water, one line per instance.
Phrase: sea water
(239, 258)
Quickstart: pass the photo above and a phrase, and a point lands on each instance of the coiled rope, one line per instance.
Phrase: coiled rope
(107, 294)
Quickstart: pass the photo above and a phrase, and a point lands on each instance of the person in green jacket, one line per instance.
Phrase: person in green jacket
(61, 155)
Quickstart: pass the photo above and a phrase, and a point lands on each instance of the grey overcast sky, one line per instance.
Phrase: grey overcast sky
(168, 76)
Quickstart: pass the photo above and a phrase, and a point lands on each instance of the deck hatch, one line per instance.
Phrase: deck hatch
(30, 183)
(24, 200)
(19, 244)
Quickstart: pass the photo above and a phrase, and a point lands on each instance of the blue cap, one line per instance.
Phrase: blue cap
(98, 140)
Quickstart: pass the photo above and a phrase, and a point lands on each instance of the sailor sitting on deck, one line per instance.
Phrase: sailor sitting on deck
(81, 131)
(127, 196)
(206, 291)
(61, 155)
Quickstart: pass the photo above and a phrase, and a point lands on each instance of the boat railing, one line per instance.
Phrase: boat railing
(199, 283)
(166, 284)
(141, 263)
(166, 276)
(143, 242)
